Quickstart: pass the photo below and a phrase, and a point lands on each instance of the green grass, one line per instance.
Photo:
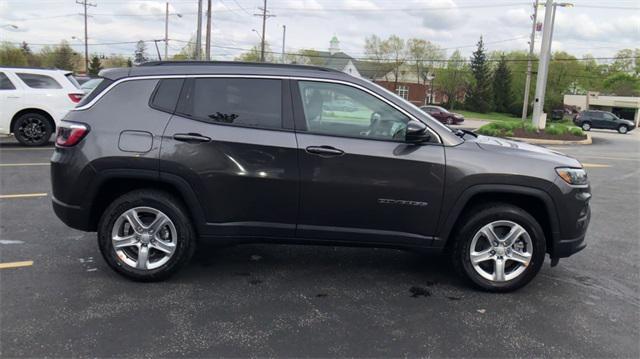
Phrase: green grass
(491, 116)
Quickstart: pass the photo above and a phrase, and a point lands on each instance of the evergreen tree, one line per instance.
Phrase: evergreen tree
(502, 87)
(140, 55)
(94, 66)
(63, 57)
(479, 99)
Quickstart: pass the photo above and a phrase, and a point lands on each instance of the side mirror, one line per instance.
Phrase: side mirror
(417, 132)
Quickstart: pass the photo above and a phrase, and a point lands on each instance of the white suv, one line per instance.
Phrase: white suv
(33, 101)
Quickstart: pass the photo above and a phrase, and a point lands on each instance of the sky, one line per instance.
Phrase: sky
(596, 27)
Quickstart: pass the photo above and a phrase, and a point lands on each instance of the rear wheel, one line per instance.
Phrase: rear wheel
(32, 129)
(449, 121)
(586, 126)
(146, 235)
(500, 248)
(623, 129)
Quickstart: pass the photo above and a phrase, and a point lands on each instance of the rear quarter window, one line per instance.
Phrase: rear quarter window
(5, 83)
(165, 97)
(37, 81)
(95, 92)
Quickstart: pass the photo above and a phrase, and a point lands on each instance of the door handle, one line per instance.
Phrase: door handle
(325, 151)
(13, 96)
(191, 137)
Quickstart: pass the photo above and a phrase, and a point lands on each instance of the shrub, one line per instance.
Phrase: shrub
(555, 130)
(576, 131)
(529, 127)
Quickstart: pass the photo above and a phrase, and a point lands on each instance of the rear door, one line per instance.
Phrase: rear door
(359, 180)
(10, 101)
(232, 141)
(597, 120)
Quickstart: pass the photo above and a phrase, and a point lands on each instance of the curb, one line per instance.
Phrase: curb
(537, 141)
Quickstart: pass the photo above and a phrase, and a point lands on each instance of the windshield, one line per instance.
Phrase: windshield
(433, 123)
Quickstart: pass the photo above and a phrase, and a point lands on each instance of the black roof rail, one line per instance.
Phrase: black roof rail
(235, 63)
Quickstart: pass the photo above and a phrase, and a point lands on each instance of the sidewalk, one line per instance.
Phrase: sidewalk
(471, 124)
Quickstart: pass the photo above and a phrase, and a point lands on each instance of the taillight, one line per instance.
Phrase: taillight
(76, 97)
(69, 134)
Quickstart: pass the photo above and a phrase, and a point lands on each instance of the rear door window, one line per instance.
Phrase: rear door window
(37, 81)
(244, 102)
(5, 83)
(73, 80)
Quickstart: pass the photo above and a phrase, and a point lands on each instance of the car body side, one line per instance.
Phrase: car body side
(462, 174)
(52, 103)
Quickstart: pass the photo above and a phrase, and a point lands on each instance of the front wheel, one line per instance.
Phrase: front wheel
(500, 248)
(32, 129)
(450, 121)
(146, 235)
(586, 126)
(623, 129)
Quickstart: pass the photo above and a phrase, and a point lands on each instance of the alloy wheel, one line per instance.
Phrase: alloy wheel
(586, 126)
(144, 238)
(32, 129)
(501, 251)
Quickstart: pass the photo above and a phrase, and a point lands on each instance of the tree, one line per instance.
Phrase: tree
(61, 56)
(453, 79)
(502, 87)
(394, 46)
(94, 66)
(424, 55)
(115, 61)
(140, 54)
(253, 55)
(480, 93)
(625, 61)
(305, 57)
(622, 84)
(11, 55)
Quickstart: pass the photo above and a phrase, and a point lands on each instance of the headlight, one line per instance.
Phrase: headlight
(573, 176)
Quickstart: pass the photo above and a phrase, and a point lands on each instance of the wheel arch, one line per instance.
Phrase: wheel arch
(114, 183)
(32, 110)
(535, 201)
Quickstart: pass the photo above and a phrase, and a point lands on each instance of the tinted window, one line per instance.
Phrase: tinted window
(166, 95)
(95, 92)
(247, 102)
(608, 116)
(595, 115)
(369, 117)
(39, 81)
(5, 83)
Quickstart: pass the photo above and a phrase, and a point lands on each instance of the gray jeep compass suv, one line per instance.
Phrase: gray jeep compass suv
(165, 156)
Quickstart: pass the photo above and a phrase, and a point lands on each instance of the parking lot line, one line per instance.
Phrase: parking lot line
(2, 149)
(22, 195)
(595, 165)
(16, 264)
(24, 164)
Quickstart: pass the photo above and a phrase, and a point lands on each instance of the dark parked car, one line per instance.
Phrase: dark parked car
(601, 119)
(163, 156)
(443, 115)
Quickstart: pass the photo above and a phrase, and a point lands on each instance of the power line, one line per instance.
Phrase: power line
(85, 4)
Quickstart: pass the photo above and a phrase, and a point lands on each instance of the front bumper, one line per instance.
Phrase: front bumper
(566, 247)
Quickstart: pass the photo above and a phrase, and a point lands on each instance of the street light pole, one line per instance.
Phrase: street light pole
(166, 30)
(199, 33)
(284, 34)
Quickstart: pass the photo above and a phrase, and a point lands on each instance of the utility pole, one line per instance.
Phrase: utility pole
(527, 84)
(198, 53)
(207, 49)
(284, 36)
(543, 64)
(166, 31)
(264, 16)
(85, 3)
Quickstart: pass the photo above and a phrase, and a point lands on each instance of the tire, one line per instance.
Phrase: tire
(623, 129)
(586, 126)
(32, 129)
(450, 121)
(498, 214)
(180, 237)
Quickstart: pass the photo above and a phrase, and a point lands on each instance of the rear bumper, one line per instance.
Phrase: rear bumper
(73, 216)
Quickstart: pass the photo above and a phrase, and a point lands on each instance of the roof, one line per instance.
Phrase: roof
(35, 69)
(218, 67)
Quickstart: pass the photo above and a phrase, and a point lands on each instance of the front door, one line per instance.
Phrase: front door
(11, 100)
(359, 180)
(229, 141)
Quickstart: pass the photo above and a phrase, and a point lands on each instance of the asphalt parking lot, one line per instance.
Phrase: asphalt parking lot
(277, 300)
